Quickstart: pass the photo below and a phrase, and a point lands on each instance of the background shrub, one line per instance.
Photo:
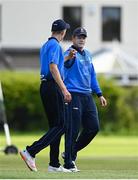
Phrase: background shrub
(25, 112)
(22, 100)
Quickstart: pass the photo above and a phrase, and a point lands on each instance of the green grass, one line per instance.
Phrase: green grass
(106, 157)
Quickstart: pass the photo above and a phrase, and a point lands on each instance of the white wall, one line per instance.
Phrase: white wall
(130, 27)
(27, 23)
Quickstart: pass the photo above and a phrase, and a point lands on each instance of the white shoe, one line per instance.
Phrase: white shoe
(29, 160)
(59, 169)
(75, 169)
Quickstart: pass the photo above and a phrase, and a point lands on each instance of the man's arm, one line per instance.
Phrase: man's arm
(96, 88)
(56, 75)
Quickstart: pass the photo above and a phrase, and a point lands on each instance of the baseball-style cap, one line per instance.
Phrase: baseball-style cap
(80, 31)
(59, 25)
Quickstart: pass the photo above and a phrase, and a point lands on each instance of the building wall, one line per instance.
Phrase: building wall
(27, 23)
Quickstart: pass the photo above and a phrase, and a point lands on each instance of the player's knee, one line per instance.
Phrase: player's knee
(97, 130)
(94, 130)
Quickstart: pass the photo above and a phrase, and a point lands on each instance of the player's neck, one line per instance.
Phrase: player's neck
(57, 36)
(78, 48)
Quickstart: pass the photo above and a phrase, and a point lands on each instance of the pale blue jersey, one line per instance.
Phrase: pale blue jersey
(79, 73)
(51, 52)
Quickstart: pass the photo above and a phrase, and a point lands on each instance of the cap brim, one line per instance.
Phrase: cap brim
(82, 34)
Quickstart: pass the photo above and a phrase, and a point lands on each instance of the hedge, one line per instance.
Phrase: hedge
(25, 112)
(22, 100)
(121, 114)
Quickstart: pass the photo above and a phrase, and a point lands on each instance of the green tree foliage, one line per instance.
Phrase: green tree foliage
(25, 112)
(121, 114)
(22, 100)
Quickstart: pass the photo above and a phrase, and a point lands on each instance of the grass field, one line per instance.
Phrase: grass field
(107, 157)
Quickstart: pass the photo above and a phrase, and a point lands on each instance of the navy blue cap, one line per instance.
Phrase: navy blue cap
(59, 25)
(80, 31)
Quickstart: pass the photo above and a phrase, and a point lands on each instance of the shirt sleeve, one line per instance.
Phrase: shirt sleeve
(94, 83)
(54, 51)
(68, 63)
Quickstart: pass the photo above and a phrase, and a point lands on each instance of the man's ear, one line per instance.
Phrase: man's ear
(62, 32)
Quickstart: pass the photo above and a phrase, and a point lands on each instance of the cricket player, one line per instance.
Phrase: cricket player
(53, 94)
(81, 82)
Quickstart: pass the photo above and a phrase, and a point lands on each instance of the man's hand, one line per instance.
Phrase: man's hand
(103, 101)
(71, 55)
(67, 95)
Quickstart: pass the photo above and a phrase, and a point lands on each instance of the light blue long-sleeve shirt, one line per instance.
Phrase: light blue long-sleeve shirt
(79, 74)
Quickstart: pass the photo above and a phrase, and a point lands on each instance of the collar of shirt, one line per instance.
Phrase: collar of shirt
(53, 38)
(78, 50)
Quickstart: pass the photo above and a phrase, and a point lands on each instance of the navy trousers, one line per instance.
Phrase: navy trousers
(84, 118)
(53, 103)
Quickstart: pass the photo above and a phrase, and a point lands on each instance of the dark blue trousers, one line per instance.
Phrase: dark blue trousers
(53, 103)
(84, 118)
